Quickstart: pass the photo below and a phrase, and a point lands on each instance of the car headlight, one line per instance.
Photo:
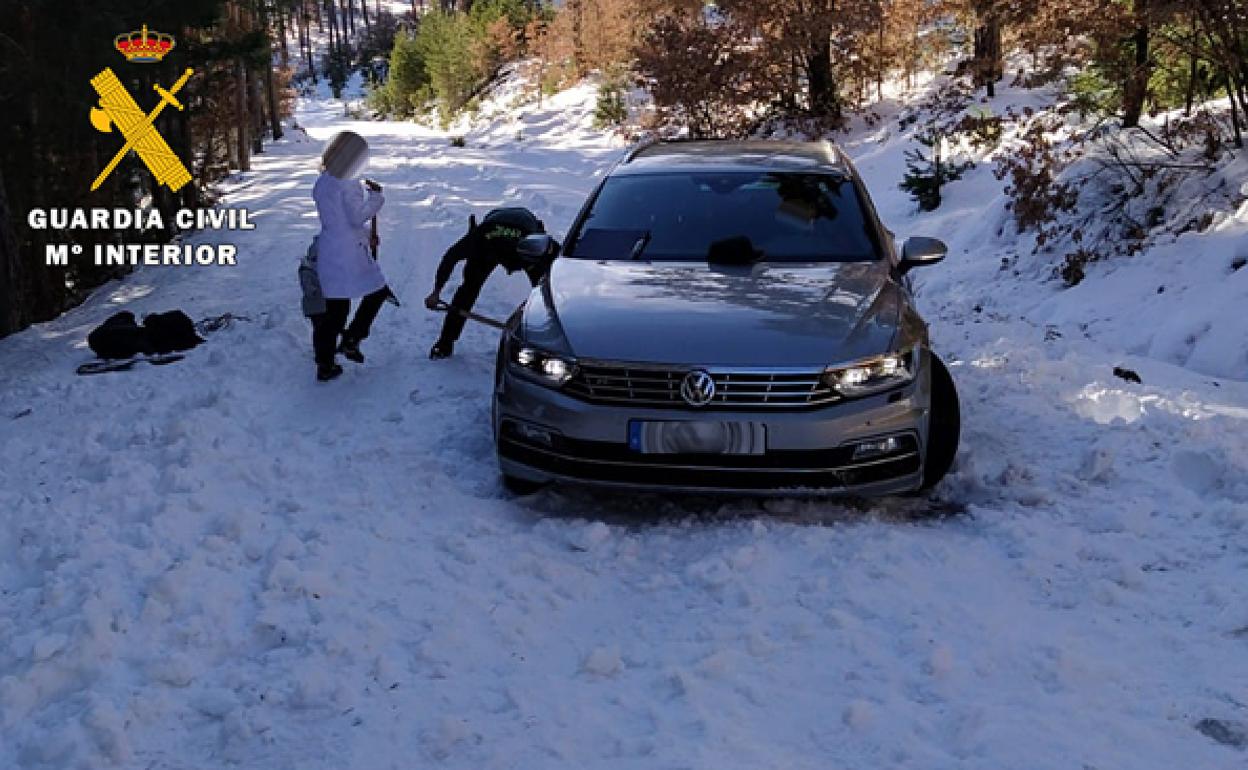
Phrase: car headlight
(873, 375)
(546, 368)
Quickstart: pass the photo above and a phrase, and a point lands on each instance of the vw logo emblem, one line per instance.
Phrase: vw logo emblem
(698, 388)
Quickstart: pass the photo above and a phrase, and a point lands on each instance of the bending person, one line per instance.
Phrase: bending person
(345, 266)
(485, 246)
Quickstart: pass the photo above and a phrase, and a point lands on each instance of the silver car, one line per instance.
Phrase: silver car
(726, 317)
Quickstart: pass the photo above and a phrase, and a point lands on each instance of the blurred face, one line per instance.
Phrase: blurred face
(346, 155)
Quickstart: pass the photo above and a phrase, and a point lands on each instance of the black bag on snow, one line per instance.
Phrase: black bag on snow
(167, 332)
(119, 337)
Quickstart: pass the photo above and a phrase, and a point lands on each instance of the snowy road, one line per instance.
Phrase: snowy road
(221, 563)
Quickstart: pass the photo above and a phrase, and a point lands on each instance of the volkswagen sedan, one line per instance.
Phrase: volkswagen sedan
(726, 317)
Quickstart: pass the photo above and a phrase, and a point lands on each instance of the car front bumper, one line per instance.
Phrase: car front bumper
(543, 434)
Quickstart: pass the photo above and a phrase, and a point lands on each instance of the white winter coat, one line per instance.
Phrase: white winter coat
(345, 267)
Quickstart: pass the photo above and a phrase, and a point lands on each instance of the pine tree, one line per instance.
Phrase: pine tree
(927, 172)
(611, 110)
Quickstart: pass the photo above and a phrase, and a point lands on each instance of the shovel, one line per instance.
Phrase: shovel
(372, 243)
(446, 308)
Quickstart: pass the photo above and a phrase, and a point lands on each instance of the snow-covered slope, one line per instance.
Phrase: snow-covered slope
(221, 563)
(1179, 301)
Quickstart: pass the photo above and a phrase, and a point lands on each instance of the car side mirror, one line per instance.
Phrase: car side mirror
(533, 248)
(919, 251)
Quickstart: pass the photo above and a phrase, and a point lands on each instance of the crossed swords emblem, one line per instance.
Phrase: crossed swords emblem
(118, 108)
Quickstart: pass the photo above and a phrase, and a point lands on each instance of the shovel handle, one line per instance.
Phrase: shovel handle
(446, 308)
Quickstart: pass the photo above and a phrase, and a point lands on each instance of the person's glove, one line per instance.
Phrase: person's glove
(433, 300)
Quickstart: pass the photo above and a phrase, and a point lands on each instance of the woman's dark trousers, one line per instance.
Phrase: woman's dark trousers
(329, 326)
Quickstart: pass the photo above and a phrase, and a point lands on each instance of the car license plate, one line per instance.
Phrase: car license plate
(697, 437)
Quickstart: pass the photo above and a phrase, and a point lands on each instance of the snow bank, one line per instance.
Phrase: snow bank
(1177, 301)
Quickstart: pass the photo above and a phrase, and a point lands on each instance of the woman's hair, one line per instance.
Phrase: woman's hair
(345, 155)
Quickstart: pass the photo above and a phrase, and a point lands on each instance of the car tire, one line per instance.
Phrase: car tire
(522, 487)
(944, 427)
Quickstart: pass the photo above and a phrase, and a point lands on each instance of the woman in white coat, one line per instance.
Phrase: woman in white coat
(344, 264)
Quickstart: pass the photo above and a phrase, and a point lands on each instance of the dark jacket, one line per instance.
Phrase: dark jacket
(492, 243)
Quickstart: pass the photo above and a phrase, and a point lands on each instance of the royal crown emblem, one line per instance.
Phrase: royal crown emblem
(143, 47)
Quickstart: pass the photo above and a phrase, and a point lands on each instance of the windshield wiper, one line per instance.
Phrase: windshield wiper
(640, 246)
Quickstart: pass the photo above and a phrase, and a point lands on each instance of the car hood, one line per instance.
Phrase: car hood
(698, 314)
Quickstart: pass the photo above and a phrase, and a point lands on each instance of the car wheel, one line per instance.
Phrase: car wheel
(522, 487)
(944, 426)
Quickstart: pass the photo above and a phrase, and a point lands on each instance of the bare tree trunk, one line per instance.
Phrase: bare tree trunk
(1236, 89)
(10, 312)
(190, 192)
(257, 112)
(231, 155)
(281, 33)
(333, 26)
(1135, 90)
(275, 121)
(1192, 71)
(577, 8)
(275, 117)
(879, 64)
(305, 41)
(241, 145)
(1239, 137)
(820, 82)
(989, 66)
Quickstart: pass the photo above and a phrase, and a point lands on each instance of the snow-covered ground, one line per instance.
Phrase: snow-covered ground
(221, 563)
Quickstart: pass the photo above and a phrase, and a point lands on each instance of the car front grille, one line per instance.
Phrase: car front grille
(655, 385)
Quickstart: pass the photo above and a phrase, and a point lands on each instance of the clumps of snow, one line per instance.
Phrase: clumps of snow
(214, 703)
(591, 536)
(47, 646)
(107, 728)
(603, 661)
(175, 670)
(450, 733)
(1107, 405)
(940, 663)
(858, 715)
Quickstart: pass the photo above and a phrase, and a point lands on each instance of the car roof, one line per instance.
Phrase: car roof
(727, 155)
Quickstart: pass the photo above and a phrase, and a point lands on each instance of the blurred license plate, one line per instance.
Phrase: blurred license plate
(697, 437)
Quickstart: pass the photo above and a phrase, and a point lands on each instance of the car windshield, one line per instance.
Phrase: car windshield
(745, 216)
